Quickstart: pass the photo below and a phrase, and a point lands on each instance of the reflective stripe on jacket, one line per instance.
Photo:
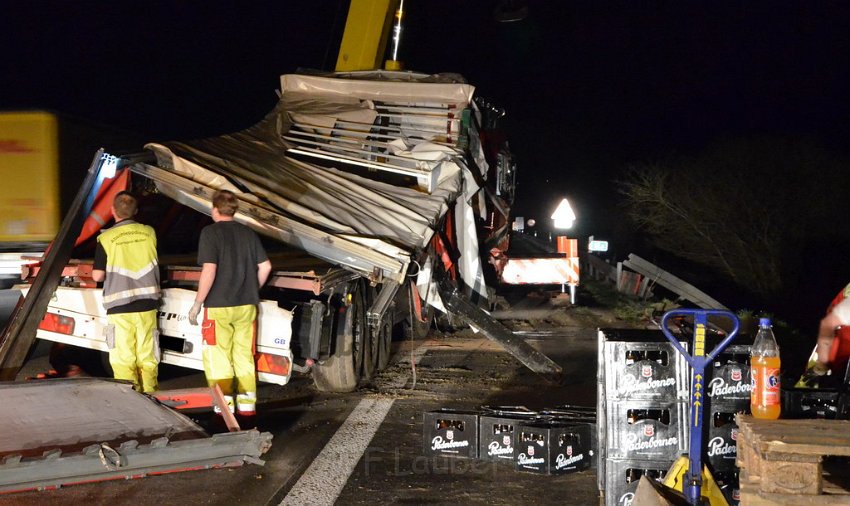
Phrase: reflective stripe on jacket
(132, 271)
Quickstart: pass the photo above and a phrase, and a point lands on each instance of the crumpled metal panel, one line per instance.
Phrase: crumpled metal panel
(72, 413)
(64, 431)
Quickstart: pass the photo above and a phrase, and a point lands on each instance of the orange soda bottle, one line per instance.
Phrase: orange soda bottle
(764, 371)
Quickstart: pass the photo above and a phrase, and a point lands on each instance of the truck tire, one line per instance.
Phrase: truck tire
(385, 342)
(370, 339)
(341, 371)
(358, 329)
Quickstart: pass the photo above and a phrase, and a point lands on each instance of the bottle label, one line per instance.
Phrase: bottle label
(766, 386)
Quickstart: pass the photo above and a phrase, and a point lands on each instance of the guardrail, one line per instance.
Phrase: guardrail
(642, 277)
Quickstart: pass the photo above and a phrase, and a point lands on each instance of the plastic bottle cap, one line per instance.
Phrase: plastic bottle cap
(764, 322)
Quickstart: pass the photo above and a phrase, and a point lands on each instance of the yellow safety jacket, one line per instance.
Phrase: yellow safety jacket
(132, 271)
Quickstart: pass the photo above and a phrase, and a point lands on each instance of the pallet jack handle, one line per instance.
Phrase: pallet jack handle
(693, 484)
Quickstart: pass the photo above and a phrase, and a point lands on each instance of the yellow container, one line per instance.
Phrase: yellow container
(29, 168)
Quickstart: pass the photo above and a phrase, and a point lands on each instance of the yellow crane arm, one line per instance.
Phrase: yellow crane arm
(364, 40)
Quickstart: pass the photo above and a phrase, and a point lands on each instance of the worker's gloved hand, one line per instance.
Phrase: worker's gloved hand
(815, 372)
(194, 312)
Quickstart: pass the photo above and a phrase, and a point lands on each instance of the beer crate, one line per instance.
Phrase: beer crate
(643, 366)
(577, 414)
(828, 404)
(622, 477)
(451, 433)
(729, 484)
(601, 405)
(551, 447)
(729, 378)
(721, 441)
(496, 428)
(642, 430)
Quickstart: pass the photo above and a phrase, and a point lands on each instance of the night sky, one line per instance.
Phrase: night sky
(588, 86)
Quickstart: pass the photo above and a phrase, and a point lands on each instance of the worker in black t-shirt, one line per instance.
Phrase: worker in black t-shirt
(234, 267)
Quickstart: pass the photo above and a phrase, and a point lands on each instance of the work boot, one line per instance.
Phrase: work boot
(813, 377)
(247, 422)
(230, 404)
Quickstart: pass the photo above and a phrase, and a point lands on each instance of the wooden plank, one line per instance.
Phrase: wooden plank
(792, 478)
(781, 461)
(802, 437)
(755, 498)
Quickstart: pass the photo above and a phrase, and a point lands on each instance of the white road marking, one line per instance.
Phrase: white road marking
(323, 481)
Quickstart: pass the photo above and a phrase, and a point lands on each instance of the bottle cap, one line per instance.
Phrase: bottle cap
(764, 322)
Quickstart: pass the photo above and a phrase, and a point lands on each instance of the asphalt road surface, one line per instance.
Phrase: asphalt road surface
(367, 447)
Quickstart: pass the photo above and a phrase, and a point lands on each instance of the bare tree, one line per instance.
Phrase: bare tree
(742, 208)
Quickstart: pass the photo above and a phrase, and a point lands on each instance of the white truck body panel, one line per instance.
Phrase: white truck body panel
(85, 306)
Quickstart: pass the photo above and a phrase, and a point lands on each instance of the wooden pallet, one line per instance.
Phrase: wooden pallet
(782, 461)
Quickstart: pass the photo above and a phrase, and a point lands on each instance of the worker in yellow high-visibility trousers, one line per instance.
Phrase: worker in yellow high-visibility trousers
(234, 267)
(126, 261)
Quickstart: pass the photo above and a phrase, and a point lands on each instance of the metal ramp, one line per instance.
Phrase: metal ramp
(70, 431)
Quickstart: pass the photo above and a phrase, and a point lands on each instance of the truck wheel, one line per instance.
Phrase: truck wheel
(369, 340)
(341, 371)
(370, 356)
(385, 341)
(358, 331)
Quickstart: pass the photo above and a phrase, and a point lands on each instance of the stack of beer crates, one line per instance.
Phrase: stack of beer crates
(728, 390)
(642, 406)
(554, 441)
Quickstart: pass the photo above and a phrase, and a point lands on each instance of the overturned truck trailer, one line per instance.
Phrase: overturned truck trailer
(381, 197)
